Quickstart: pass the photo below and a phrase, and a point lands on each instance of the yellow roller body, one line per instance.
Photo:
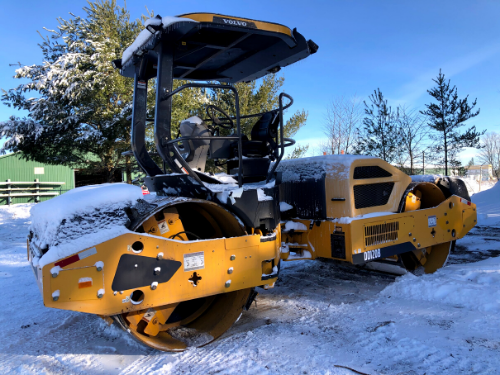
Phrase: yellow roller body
(206, 283)
(417, 225)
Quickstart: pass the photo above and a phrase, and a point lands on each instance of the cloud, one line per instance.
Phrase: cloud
(414, 89)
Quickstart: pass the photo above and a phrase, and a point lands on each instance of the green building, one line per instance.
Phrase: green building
(23, 181)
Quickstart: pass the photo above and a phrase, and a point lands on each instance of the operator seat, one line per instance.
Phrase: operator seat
(259, 151)
(194, 151)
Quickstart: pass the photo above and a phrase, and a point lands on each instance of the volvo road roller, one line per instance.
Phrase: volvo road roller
(191, 258)
(364, 211)
(187, 260)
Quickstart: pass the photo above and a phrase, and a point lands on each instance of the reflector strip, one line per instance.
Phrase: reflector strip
(465, 201)
(75, 258)
(72, 259)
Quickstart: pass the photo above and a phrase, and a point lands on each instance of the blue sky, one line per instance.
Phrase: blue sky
(397, 46)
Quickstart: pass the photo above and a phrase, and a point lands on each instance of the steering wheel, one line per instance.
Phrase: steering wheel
(210, 112)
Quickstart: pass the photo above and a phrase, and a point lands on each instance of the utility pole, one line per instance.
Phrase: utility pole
(480, 176)
(423, 162)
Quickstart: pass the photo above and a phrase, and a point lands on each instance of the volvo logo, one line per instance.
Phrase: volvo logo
(233, 22)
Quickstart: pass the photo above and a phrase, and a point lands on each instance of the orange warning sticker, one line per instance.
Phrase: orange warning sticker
(84, 282)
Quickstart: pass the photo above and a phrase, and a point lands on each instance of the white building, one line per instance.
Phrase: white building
(480, 172)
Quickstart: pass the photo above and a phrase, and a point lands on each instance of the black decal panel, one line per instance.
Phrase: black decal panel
(338, 245)
(136, 271)
(234, 22)
(385, 252)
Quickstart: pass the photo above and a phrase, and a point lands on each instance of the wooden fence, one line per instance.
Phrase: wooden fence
(37, 189)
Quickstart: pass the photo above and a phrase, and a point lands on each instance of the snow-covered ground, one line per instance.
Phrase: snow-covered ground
(323, 317)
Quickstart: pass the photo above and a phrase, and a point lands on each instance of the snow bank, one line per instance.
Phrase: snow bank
(488, 206)
(475, 286)
(81, 218)
(472, 185)
(315, 167)
(15, 211)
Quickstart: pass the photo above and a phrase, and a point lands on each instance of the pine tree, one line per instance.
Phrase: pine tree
(380, 128)
(298, 152)
(81, 113)
(446, 117)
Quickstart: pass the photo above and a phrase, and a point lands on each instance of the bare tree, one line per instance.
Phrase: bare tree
(490, 153)
(412, 130)
(342, 121)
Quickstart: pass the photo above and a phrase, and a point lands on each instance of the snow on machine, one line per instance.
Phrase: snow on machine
(176, 268)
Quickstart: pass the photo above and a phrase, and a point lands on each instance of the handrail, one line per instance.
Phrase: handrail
(260, 113)
(282, 138)
(178, 156)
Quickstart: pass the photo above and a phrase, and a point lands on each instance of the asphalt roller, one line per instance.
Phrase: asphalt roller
(192, 255)
(369, 213)
(193, 252)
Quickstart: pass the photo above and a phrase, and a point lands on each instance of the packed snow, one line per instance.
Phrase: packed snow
(285, 207)
(228, 190)
(323, 317)
(294, 225)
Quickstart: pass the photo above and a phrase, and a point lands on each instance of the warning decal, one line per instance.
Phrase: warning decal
(149, 315)
(432, 221)
(194, 261)
(163, 227)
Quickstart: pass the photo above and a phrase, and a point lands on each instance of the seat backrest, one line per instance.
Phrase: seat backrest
(265, 128)
(195, 151)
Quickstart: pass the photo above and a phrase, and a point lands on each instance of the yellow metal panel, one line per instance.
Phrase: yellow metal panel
(261, 25)
(67, 282)
(455, 217)
(339, 183)
(248, 252)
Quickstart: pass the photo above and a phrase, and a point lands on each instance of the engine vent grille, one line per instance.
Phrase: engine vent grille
(371, 171)
(381, 233)
(372, 195)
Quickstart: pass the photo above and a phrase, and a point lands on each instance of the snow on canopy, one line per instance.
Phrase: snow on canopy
(145, 37)
(81, 218)
(317, 166)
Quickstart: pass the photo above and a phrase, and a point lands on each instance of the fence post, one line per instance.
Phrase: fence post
(9, 199)
(37, 191)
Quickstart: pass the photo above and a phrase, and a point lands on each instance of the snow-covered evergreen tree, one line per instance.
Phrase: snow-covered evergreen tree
(79, 107)
(78, 104)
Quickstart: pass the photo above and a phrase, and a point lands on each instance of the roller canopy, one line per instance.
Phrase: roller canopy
(213, 47)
